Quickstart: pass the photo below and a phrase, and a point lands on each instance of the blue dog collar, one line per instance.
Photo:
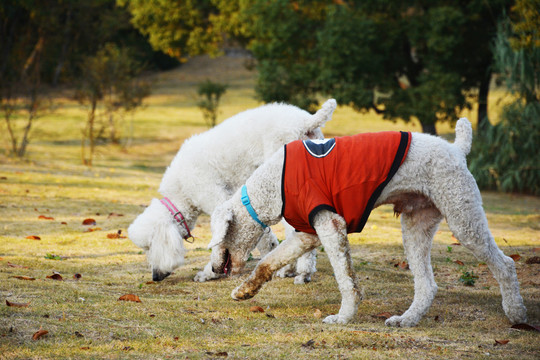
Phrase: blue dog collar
(251, 211)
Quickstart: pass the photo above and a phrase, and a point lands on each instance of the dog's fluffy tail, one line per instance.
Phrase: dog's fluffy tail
(464, 135)
(323, 115)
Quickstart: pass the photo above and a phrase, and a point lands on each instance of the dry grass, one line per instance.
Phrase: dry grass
(178, 318)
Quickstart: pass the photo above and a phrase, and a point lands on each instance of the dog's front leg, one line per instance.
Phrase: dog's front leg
(288, 251)
(332, 231)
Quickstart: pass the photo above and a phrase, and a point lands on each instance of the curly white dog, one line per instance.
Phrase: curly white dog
(425, 177)
(208, 169)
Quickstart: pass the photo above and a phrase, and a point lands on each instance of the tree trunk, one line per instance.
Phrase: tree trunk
(65, 44)
(428, 127)
(483, 93)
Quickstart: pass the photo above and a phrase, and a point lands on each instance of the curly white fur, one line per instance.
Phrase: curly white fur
(432, 183)
(208, 169)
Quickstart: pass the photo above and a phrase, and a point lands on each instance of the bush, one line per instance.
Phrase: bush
(505, 157)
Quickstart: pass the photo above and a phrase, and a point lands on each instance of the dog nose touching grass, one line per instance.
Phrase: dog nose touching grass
(157, 275)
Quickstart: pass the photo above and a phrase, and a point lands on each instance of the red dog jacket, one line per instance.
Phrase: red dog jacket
(345, 175)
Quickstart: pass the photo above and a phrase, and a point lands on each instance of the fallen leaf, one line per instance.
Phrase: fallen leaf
(24, 277)
(130, 297)
(93, 229)
(533, 260)
(116, 235)
(403, 265)
(256, 309)
(17, 266)
(501, 342)
(456, 241)
(33, 237)
(39, 334)
(85, 348)
(55, 276)
(3, 178)
(77, 276)
(526, 327)
(515, 257)
(89, 222)
(63, 223)
(459, 262)
(114, 214)
(317, 313)
(383, 315)
(9, 303)
(43, 217)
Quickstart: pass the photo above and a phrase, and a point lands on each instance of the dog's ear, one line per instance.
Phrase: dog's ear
(222, 218)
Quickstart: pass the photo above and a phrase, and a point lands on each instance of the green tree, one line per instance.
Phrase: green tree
(210, 94)
(505, 158)
(109, 78)
(425, 59)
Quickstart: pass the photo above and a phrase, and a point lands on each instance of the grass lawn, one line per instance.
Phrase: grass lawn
(45, 198)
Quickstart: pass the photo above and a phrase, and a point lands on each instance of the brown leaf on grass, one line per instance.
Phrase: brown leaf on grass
(256, 309)
(533, 260)
(39, 334)
(24, 277)
(459, 262)
(317, 313)
(515, 257)
(43, 217)
(89, 221)
(55, 276)
(33, 237)
(402, 265)
(501, 342)
(63, 223)
(93, 229)
(114, 215)
(130, 297)
(116, 235)
(85, 348)
(526, 327)
(77, 276)
(16, 266)
(9, 303)
(384, 315)
(3, 178)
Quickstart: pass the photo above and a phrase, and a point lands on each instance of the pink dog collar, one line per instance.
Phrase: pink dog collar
(177, 215)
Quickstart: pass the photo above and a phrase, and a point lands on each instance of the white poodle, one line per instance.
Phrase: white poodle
(424, 177)
(208, 169)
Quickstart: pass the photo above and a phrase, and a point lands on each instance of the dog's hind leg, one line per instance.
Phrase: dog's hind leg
(289, 250)
(419, 227)
(469, 225)
(332, 231)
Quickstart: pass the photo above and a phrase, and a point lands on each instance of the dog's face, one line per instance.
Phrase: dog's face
(234, 236)
(158, 234)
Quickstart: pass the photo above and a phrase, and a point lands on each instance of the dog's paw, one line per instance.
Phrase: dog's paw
(302, 279)
(203, 276)
(335, 319)
(286, 271)
(240, 294)
(400, 321)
